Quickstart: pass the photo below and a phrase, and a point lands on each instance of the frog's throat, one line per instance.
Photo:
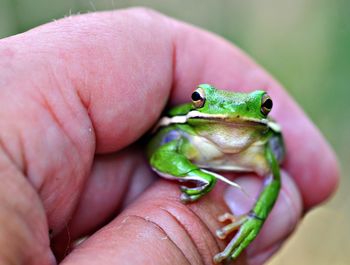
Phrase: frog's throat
(165, 121)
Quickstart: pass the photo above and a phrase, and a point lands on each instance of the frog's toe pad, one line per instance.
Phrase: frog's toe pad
(220, 233)
(220, 257)
(227, 217)
(185, 198)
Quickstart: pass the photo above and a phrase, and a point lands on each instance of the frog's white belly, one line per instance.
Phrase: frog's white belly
(211, 156)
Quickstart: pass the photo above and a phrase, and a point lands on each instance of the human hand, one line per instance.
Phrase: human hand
(76, 93)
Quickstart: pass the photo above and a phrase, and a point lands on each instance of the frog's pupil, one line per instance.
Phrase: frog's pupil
(268, 104)
(196, 96)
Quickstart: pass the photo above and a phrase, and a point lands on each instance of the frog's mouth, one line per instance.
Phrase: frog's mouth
(217, 118)
(237, 120)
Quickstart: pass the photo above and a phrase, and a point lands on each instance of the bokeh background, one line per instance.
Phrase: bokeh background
(304, 44)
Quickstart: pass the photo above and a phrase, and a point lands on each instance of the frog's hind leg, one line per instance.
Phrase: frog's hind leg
(203, 181)
(249, 225)
(169, 162)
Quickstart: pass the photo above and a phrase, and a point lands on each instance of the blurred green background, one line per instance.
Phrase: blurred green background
(304, 44)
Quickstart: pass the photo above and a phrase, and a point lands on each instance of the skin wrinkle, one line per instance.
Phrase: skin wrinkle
(24, 159)
(20, 232)
(60, 126)
(75, 169)
(157, 226)
(214, 238)
(189, 213)
(9, 139)
(183, 227)
(174, 62)
(47, 106)
(5, 151)
(76, 112)
(50, 197)
(86, 103)
(42, 104)
(171, 203)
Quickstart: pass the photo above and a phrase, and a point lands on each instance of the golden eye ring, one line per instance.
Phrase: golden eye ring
(266, 104)
(198, 98)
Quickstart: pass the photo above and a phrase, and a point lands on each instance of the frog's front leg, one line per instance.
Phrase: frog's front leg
(249, 225)
(169, 161)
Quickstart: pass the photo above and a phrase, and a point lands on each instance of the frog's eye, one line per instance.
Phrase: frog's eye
(198, 98)
(266, 104)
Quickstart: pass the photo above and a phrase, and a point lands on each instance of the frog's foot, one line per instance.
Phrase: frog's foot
(227, 217)
(247, 227)
(190, 194)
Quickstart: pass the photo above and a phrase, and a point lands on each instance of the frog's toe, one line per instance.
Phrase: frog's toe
(191, 194)
(220, 257)
(231, 248)
(190, 191)
(185, 198)
(235, 224)
(220, 233)
(227, 217)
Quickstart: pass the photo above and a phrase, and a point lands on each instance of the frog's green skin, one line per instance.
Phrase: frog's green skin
(226, 131)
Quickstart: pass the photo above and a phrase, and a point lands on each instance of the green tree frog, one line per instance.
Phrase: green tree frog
(221, 131)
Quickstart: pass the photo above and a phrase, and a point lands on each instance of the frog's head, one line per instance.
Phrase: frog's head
(210, 103)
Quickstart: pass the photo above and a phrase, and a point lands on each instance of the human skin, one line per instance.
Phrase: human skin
(77, 93)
